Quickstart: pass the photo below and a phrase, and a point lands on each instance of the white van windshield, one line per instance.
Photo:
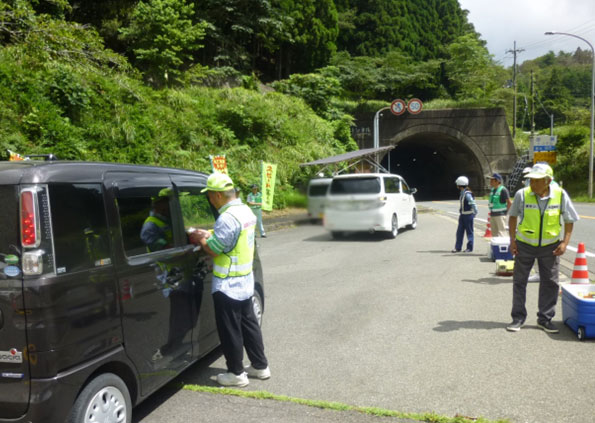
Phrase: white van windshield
(356, 186)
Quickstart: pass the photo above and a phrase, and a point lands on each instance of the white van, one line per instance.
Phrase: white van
(369, 202)
(317, 189)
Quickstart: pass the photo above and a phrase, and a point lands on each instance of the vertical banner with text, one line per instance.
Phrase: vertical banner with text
(269, 172)
(219, 163)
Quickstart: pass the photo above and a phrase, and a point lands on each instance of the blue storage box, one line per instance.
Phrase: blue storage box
(501, 248)
(578, 312)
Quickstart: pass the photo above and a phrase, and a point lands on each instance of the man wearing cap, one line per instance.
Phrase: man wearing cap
(535, 228)
(231, 244)
(499, 204)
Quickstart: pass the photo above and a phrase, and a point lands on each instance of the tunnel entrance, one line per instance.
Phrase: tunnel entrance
(431, 162)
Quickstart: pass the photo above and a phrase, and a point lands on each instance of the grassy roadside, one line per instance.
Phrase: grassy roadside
(336, 406)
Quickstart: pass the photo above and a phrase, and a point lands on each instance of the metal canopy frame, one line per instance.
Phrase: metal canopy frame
(366, 155)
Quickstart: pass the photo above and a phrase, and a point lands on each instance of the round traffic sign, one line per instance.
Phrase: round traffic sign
(414, 106)
(398, 107)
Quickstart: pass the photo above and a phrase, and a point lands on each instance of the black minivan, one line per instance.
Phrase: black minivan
(92, 320)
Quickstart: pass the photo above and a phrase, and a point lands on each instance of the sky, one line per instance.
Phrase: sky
(502, 22)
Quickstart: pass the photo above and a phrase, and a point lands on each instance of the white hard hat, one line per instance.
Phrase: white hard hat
(462, 181)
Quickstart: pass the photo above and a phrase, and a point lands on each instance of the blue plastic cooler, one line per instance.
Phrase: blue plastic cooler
(501, 248)
(578, 313)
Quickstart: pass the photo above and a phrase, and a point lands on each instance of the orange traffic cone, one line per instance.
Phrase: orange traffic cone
(580, 273)
(488, 233)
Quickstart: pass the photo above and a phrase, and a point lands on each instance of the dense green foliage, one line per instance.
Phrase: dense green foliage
(170, 82)
(419, 29)
(63, 93)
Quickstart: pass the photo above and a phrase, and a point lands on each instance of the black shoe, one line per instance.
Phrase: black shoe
(468, 251)
(455, 251)
(515, 326)
(263, 236)
(549, 327)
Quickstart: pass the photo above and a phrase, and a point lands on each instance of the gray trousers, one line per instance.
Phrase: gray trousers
(549, 266)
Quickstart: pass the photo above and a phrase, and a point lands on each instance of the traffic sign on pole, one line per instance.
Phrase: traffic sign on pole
(414, 106)
(398, 107)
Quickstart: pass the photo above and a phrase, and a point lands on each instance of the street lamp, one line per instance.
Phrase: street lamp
(377, 132)
(592, 104)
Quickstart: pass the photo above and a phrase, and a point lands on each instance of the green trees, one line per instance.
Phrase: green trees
(162, 38)
(469, 69)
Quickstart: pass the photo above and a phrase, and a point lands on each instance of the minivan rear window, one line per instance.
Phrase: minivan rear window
(355, 186)
(80, 230)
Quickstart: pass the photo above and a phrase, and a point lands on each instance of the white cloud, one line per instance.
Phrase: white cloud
(501, 23)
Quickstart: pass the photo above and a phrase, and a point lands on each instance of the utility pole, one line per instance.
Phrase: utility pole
(532, 108)
(514, 51)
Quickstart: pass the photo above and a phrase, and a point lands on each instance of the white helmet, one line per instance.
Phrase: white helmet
(526, 170)
(462, 181)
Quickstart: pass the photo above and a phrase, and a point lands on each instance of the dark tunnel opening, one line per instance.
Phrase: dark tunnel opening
(431, 162)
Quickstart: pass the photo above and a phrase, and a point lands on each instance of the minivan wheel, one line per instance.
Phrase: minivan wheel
(413, 220)
(394, 231)
(257, 306)
(104, 399)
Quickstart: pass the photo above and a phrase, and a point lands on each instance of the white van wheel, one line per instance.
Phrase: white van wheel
(104, 399)
(394, 227)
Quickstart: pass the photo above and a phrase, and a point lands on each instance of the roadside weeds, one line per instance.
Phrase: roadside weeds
(336, 406)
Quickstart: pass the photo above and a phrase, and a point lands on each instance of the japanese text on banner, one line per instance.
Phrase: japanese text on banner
(269, 172)
(219, 163)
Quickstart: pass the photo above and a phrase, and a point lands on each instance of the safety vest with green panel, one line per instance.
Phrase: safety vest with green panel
(160, 243)
(238, 261)
(496, 206)
(539, 229)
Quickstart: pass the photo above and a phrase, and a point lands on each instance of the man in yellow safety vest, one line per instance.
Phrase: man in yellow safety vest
(231, 244)
(537, 215)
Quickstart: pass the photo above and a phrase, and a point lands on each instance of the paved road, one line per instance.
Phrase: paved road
(399, 324)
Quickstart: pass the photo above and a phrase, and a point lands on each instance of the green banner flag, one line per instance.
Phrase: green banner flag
(269, 172)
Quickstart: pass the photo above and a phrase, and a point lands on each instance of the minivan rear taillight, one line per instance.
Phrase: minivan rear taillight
(30, 234)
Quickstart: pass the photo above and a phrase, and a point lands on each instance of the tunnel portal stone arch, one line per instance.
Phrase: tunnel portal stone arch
(476, 166)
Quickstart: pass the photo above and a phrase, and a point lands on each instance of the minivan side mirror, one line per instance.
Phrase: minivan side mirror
(413, 191)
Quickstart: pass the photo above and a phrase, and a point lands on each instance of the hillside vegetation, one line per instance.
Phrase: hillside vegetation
(170, 82)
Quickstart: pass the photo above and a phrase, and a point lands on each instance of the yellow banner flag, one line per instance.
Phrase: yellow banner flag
(269, 173)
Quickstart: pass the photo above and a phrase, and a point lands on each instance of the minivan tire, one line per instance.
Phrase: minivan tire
(394, 231)
(106, 399)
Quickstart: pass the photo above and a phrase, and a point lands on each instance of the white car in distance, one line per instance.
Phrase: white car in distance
(369, 202)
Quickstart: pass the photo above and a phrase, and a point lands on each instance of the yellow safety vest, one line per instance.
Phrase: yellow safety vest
(238, 261)
(166, 231)
(539, 229)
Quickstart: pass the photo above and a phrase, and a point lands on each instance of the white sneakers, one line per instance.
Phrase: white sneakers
(261, 374)
(230, 379)
(241, 380)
